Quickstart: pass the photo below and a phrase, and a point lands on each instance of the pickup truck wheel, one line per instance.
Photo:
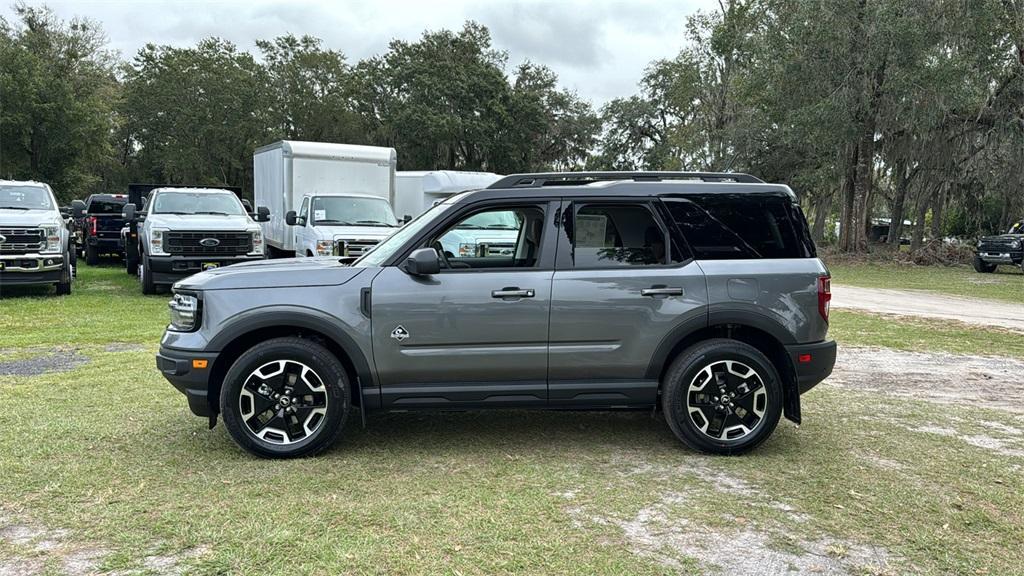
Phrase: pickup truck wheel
(64, 286)
(285, 398)
(92, 256)
(722, 396)
(146, 277)
(982, 266)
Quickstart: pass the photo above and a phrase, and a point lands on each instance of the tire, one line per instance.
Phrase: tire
(146, 277)
(983, 267)
(318, 418)
(73, 256)
(700, 418)
(64, 286)
(92, 256)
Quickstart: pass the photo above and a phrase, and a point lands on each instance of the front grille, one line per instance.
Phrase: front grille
(998, 244)
(22, 240)
(192, 243)
(353, 247)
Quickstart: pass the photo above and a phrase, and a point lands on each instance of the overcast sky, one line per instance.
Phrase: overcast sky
(599, 49)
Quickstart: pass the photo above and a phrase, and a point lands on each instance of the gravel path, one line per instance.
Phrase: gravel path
(932, 305)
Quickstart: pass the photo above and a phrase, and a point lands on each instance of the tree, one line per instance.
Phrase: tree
(56, 87)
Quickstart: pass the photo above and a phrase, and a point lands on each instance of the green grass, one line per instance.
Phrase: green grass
(923, 334)
(110, 453)
(1006, 284)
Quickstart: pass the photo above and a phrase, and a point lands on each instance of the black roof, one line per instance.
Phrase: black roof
(541, 179)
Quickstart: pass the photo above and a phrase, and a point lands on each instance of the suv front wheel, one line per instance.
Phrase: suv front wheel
(285, 398)
(722, 396)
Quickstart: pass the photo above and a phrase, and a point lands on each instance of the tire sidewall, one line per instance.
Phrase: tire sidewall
(685, 369)
(318, 358)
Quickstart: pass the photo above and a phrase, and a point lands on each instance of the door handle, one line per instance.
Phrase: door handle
(661, 291)
(512, 292)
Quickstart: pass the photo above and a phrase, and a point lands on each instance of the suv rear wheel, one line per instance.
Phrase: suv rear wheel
(722, 396)
(285, 398)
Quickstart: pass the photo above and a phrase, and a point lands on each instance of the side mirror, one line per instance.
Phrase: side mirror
(247, 205)
(65, 211)
(129, 212)
(291, 218)
(406, 219)
(423, 262)
(262, 214)
(78, 208)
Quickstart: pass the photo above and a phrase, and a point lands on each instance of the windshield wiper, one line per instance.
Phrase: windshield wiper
(213, 213)
(374, 222)
(342, 222)
(14, 208)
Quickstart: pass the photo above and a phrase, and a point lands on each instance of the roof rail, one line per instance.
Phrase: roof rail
(579, 178)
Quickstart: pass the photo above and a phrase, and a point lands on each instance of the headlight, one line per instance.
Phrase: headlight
(52, 234)
(1015, 244)
(257, 242)
(324, 247)
(156, 242)
(184, 312)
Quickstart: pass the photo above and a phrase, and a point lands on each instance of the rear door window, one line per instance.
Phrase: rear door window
(616, 235)
(735, 226)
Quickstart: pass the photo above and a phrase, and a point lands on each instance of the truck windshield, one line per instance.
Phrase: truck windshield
(498, 220)
(1017, 228)
(352, 211)
(381, 252)
(25, 198)
(218, 203)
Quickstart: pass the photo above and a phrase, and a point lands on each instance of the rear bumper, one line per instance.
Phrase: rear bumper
(170, 269)
(29, 269)
(101, 243)
(812, 362)
(194, 383)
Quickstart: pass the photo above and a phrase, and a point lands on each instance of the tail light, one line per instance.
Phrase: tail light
(92, 224)
(824, 295)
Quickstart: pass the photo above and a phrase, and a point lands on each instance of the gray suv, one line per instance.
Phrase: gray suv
(696, 293)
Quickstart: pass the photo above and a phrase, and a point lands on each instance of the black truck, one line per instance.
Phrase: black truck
(101, 226)
(1006, 249)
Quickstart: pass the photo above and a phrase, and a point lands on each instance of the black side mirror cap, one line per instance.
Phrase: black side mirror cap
(423, 262)
(262, 214)
(291, 218)
(78, 208)
(128, 213)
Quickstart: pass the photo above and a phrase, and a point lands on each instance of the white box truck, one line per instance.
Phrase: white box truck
(418, 190)
(325, 199)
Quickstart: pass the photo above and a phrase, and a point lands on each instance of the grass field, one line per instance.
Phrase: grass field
(104, 469)
(1006, 283)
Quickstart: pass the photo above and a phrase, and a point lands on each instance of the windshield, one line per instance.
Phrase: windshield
(352, 211)
(106, 205)
(498, 220)
(381, 252)
(220, 203)
(25, 198)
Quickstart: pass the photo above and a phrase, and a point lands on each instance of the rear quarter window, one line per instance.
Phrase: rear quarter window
(741, 226)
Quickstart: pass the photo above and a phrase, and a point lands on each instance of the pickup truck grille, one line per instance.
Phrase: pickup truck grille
(21, 240)
(353, 247)
(998, 244)
(201, 243)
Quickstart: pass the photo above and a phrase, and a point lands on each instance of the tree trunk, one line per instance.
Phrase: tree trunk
(847, 225)
(822, 209)
(896, 213)
(937, 212)
(922, 212)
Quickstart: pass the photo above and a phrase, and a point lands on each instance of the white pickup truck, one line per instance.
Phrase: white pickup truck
(34, 239)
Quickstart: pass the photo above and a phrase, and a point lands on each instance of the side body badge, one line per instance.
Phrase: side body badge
(400, 333)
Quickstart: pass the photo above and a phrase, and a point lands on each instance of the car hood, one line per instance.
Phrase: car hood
(201, 222)
(282, 273)
(29, 218)
(354, 232)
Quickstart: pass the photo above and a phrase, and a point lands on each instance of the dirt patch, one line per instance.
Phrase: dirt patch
(124, 347)
(659, 532)
(58, 361)
(997, 445)
(935, 377)
(927, 304)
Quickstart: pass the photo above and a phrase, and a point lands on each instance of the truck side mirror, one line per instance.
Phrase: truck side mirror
(423, 262)
(129, 212)
(406, 219)
(262, 214)
(290, 218)
(78, 208)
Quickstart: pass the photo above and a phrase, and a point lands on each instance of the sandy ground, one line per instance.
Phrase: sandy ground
(936, 377)
(931, 305)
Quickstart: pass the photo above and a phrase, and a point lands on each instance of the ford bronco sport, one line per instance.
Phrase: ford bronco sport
(699, 294)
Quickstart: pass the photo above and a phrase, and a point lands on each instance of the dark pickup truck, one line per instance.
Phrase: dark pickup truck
(102, 226)
(1006, 249)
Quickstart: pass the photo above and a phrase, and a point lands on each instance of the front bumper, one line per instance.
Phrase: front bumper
(29, 269)
(1000, 256)
(194, 383)
(170, 269)
(812, 362)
